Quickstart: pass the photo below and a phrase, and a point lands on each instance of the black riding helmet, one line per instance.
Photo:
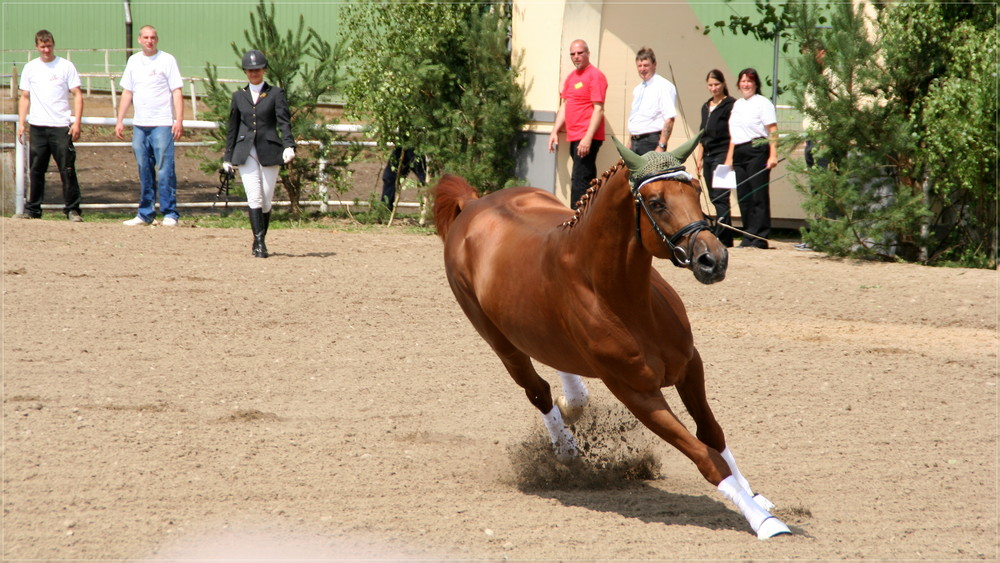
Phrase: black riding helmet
(253, 60)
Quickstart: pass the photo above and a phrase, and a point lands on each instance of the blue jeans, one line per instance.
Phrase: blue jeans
(154, 153)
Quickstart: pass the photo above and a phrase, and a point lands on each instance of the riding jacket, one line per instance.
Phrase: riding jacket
(257, 125)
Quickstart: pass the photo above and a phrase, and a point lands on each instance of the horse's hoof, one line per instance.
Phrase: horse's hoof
(763, 502)
(772, 527)
(570, 413)
(565, 447)
(565, 456)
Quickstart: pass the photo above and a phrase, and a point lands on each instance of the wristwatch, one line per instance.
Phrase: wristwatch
(661, 145)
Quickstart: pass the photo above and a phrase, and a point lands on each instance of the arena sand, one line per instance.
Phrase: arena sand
(166, 396)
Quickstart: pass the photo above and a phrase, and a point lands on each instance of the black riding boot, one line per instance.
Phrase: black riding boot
(265, 222)
(257, 226)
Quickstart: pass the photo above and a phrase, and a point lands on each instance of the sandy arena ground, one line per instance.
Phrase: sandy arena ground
(166, 396)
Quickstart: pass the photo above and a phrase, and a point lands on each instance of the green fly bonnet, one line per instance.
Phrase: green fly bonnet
(658, 165)
(654, 166)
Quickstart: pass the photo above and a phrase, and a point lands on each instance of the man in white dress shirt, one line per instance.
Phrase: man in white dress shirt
(654, 104)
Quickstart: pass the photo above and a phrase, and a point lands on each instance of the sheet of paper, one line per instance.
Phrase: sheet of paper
(724, 177)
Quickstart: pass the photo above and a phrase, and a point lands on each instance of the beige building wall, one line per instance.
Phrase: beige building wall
(615, 30)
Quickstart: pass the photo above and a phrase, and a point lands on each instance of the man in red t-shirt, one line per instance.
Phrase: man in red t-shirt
(581, 110)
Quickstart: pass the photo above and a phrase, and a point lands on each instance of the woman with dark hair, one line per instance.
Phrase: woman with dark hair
(259, 140)
(753, 152)
(714, 146)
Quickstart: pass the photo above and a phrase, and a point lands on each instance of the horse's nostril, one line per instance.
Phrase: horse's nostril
(707, 261)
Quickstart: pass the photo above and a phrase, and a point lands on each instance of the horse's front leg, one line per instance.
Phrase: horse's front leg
(652, 410)
(691, 389)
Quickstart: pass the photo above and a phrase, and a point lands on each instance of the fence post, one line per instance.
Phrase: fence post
(19, 166)
(324, 193)
(194, 101)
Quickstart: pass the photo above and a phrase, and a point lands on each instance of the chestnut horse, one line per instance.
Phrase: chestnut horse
(577, 291)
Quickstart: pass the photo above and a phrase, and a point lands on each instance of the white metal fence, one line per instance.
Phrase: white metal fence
(21, 160)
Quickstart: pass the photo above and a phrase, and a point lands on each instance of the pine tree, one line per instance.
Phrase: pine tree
(906, 116)
(438, 77)
(904, 109)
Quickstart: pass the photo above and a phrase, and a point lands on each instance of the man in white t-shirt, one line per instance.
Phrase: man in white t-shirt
(152, 84)
(46, 83)
(654, 107)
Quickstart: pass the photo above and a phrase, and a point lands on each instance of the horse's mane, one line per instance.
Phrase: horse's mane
(595, 185)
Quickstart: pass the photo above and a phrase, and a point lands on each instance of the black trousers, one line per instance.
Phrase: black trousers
(399, 165)
(51, 143)
(720, 198)
(584, 170)
(641, 144)
(813, 161)
(753, 190)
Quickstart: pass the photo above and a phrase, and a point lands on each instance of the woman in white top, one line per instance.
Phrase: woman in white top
(753, 120)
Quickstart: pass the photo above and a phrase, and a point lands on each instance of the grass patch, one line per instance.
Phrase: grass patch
(236, 218)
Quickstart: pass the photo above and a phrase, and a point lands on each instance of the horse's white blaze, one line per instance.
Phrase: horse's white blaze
(761, 521)
(575, 397)
(562, 440)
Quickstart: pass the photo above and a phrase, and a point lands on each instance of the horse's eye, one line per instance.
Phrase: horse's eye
(657, 205)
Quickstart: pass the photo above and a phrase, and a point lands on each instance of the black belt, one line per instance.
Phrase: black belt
(746, 143)
(637, 137)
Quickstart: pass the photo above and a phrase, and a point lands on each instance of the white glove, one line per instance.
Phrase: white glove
(288, 155)
(227, 167)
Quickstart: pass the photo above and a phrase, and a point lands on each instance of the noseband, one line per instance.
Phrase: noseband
(681, 257)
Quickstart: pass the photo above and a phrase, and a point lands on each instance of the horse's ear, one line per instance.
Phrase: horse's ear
(684, 151)
(632, 160)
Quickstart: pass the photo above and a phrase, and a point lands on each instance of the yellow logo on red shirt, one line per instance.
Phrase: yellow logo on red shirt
(578, 85)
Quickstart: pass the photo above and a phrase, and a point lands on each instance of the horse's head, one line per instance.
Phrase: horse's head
(669, 220)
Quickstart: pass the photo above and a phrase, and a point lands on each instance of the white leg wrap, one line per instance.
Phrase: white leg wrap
(727, 455)
(574, 398)
(574, 389)
(562, 441)
(761, 521)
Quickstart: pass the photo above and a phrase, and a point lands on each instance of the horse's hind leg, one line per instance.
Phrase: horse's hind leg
(574, 397)
(692, 392)
(522, 371)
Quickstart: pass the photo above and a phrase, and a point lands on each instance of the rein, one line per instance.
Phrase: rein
(679, 256)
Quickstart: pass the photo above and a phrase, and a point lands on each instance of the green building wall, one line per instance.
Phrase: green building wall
(196, 32)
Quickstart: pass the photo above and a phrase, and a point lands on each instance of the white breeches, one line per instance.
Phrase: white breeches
(259, 182)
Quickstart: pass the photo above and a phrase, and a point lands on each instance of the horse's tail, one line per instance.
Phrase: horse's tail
(451, 195)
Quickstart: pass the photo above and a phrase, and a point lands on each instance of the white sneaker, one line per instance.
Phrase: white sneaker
(134, 222)
(169, 222)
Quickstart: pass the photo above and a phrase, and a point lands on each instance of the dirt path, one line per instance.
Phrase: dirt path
(167, 396)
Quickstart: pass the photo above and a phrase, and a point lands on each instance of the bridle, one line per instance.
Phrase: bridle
(681, 257)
